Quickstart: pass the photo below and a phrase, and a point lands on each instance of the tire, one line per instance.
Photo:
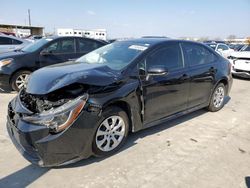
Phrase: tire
(217, 99)
(19, 79)
(106, 140)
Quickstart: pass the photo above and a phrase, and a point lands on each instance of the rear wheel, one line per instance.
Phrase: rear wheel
(217, 99)
(111, 132)
(19, 79)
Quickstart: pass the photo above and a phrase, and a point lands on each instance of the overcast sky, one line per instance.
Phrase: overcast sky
(134, 18)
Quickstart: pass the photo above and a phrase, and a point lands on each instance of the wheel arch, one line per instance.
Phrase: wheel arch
(18, 70)
(223, 81)
(126, 108)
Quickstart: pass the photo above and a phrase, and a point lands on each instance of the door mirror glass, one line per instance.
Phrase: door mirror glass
(157, 71)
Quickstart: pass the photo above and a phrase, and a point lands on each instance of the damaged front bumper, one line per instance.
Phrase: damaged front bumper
(39, 146)
(241, 67)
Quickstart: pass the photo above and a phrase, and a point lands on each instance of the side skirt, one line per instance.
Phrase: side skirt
(174, 116)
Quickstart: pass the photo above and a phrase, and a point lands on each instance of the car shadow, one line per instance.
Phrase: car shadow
(7, 91)
(227, 99)
(247, 180)
(241, 78)
(23, 177)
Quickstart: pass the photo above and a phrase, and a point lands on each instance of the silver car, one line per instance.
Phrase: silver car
(10, 43)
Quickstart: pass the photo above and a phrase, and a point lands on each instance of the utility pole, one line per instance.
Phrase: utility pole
(29, 17)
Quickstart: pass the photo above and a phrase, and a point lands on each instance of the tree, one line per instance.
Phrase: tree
(248, 40)
(231, 37)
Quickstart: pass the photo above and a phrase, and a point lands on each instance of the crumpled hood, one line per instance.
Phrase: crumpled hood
(51, 78)
(243, 54)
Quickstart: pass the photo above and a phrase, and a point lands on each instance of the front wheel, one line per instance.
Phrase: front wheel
(217, 99)
(111, 132)
(19, 79)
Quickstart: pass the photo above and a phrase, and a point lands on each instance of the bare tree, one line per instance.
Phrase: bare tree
(231, 37)
(248, 40)
(203, 39)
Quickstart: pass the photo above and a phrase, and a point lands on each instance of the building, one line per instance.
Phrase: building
(237, 41)
(21, 30)
(94, 33)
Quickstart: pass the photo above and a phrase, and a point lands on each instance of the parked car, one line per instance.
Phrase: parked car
(221, 48)
(215, 41)
(240, 63)
(15, 67)
(236, 47)
(245, 48)
(34, 38)
(10, 43)
(89, 106)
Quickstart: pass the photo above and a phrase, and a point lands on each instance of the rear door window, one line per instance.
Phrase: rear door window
(196, 54)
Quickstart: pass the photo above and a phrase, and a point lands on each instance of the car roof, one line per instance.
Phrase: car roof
(58, 37)
(158, 40)
(150, 41)
(10, 36)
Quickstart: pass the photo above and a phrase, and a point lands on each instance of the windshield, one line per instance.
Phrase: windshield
(116, 55)
(36, 45)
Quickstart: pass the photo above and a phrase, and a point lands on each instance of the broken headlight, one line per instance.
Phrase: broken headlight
(60, 118)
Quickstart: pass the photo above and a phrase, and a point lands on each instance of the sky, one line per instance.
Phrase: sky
(135, 18)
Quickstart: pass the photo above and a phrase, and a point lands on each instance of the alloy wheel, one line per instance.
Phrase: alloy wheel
(110, 133)
(219, 97)
(21, 80)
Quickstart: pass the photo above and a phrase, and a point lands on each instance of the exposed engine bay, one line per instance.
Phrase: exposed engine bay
(40, 103)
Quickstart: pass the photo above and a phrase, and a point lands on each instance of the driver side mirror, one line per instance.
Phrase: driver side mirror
(156, 71)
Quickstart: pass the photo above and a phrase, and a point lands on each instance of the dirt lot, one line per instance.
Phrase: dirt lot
(202, 149)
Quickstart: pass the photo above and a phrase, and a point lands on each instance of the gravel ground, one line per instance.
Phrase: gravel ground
(201, 149)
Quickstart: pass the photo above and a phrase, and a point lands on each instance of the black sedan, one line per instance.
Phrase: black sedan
(16, 66)
(88, 106)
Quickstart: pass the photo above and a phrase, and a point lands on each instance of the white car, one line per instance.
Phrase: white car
(240, 63)
(10, 43)
(221, 48)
